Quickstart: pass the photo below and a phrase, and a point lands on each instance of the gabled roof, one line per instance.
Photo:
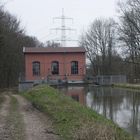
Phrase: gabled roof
(53, 50)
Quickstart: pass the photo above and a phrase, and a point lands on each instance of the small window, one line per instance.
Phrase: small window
(36, 68)
(74, 67)
(55, 67)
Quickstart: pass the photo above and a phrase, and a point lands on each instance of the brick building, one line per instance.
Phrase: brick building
(53, 64)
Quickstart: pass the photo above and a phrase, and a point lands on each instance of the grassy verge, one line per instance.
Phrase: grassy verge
(71, 120)
(14, 122)
(128, 86)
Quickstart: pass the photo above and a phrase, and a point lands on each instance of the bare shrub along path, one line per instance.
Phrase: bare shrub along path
(19, 120)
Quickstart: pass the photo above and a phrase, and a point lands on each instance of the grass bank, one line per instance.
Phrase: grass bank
(71, 120)
(128, 86)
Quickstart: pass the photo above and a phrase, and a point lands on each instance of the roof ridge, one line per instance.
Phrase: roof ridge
(52, 50)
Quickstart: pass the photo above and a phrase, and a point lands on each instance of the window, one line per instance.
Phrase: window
(36, 68)
(55, 67)
(74, 67)
(75, 97)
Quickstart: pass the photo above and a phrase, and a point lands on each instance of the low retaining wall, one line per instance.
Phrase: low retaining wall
(24, 86)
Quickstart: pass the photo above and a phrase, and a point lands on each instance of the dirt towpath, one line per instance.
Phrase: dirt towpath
(4, 110)
(19, 120)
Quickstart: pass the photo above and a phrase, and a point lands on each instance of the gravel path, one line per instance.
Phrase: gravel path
(37, 125)
(3, 114)
(19, 120)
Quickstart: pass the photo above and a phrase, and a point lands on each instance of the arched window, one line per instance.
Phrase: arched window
(55, 67)
(36, 68)
(74, 67)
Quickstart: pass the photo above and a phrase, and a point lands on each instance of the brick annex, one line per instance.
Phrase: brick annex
(65, 64)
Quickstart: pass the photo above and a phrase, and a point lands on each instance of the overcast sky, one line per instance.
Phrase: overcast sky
(37, 15)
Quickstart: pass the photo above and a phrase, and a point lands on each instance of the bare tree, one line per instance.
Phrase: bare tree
(12, 40)
(130, 23)
(52, 44)
(129, 30)
(99, 42)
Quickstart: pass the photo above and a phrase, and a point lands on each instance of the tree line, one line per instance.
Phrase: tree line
(12, 41)
(114, 47)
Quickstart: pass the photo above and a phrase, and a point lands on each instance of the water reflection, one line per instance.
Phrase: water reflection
(77, 93)
(119, 105)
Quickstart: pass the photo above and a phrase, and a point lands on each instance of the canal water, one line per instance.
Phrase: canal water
(120, 105)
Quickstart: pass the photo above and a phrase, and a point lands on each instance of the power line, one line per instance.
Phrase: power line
(63, 28)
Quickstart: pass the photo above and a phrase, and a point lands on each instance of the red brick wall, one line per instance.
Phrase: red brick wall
(45, 65)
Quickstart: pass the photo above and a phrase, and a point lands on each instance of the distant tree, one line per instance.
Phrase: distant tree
(52, 44)
(100, 42)
(129, 32)
(12, 40)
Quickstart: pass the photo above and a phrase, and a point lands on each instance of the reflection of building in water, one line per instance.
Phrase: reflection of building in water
(77, 93)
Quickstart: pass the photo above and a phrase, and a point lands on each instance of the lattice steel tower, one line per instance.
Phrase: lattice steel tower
(63, 28)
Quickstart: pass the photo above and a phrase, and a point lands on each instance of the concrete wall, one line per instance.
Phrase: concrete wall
(24, 86)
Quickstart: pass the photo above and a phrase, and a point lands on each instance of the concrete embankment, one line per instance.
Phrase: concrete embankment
(128, 86)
